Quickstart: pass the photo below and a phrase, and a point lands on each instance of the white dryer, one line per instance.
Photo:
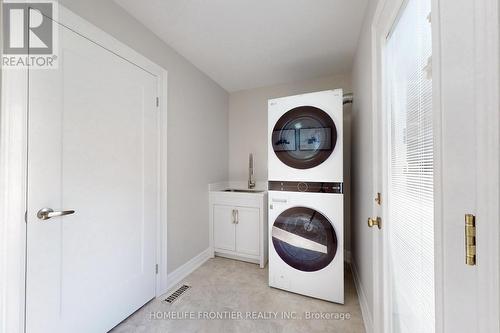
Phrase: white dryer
(305, 137)
(306, 238)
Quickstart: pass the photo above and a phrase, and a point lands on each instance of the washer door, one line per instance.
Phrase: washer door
(304, 239)
(304, 137)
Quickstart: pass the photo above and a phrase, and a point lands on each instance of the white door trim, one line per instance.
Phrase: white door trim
(487, 99)
(438, 181)
(485, 76)
(13, 140)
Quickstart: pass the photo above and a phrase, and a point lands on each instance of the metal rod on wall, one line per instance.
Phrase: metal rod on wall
(348, 98)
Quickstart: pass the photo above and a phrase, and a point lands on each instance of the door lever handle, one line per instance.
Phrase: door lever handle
(48, 213)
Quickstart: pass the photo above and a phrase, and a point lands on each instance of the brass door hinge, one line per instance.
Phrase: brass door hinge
(470, 239)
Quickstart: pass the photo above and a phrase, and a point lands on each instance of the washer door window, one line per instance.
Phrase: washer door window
(304, 239)
(304, 137)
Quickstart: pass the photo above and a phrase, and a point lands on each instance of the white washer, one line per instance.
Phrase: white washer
(306, 239)
(305, 137)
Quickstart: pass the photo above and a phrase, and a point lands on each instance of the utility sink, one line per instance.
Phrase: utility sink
(238, 190)
(238, 217)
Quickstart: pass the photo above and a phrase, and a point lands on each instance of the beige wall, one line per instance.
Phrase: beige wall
(197, 128)
(248, 128)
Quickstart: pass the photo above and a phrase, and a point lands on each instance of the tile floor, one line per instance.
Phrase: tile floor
(224, 287)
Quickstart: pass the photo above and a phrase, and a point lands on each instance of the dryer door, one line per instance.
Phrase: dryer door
(304, 239)
(304, 137)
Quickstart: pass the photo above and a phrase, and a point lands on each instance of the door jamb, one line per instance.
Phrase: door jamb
(13, 140)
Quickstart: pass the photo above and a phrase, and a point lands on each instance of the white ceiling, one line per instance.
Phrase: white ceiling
(243, 44)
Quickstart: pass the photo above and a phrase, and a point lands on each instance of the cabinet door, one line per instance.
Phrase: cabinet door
(247, 231)
(224, 228)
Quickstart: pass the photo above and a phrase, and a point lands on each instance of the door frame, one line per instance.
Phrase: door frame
(385, 17)
(486, 75)
(13, 166)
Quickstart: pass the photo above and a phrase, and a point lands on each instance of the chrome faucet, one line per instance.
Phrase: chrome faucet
(251, 180)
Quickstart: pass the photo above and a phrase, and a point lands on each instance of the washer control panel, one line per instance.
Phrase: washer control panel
(311, 187)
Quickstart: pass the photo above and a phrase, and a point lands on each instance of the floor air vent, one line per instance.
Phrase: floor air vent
(176, 294)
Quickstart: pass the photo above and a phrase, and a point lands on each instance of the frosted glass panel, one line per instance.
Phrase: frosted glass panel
(411, 212)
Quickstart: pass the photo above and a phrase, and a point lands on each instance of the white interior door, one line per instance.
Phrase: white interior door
(92, 148)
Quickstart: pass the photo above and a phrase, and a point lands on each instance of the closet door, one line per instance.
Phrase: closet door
(92, 190)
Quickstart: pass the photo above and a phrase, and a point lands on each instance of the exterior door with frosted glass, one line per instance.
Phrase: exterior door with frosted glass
(436, 153)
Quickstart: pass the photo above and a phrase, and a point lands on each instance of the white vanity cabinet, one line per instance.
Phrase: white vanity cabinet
(238, 225)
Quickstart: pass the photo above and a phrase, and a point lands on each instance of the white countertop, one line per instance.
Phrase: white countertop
(260, 186)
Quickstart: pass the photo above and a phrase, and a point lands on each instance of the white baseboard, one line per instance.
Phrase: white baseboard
(182, 272)
(363, 302)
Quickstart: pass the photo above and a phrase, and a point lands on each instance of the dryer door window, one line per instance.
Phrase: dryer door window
(304, 137)
(304, 239)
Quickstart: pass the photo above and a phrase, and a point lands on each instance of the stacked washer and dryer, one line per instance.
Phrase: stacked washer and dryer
(306, 201)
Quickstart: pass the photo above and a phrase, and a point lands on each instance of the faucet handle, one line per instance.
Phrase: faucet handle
(251, 181)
